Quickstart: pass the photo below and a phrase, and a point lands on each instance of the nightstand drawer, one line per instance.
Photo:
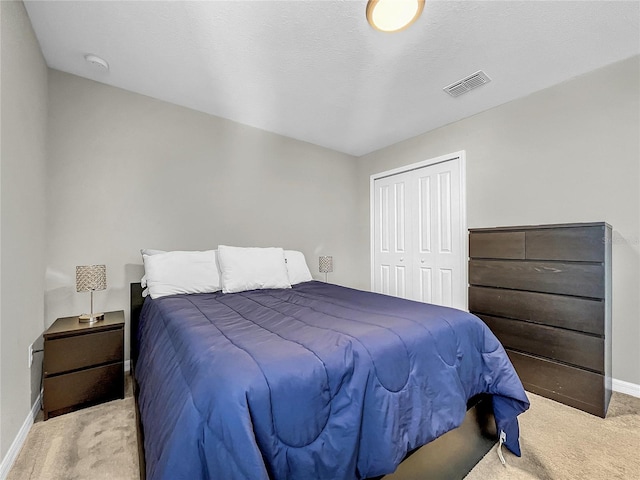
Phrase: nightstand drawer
(80, 351)
(66, 392)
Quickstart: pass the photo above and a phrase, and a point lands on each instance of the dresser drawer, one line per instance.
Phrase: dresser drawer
(80, 351)
(68, 391)
(572, 386)
(508, 245)
(577, 244)
(578, 279)
(580, 314)
(575, 348)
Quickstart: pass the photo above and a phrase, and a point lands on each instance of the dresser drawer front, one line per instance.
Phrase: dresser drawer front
(583, 280)
(575, 348)
(573, 313)
(572, 386)
(69, 391)
(508, 245)
(579, 244)
(81, 351)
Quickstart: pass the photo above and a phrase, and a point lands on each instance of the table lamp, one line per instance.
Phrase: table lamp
(326, 265)
(91, 278)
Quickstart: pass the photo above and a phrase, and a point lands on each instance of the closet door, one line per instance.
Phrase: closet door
(392, 244)
(439, 253)
(418, 245)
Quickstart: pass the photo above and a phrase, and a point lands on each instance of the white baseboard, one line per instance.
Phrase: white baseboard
(629, 388)
(14, 449)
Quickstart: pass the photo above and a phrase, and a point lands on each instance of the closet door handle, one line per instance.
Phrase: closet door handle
(422, 261)
(402, 259)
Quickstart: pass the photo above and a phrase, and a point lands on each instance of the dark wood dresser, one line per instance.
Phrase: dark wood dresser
(545, 292)
(83, 363)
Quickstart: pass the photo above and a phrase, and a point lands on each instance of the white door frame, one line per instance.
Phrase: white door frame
(464, 240)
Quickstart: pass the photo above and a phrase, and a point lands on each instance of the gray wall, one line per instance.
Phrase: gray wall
(115, 171)
(128, 171)
(570, 153)
(22, 218)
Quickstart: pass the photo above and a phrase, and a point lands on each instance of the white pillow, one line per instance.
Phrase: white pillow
(252, 268)
(297, 267)
(177, 272)
(150, 251)
(143, 280)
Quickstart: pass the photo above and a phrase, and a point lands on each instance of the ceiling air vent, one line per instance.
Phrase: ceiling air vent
(463, 86)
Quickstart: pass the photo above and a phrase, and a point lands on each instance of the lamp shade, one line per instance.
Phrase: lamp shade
(90, 278)
(326, 264)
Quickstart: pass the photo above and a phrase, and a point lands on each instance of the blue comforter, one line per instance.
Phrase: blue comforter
(318, 381)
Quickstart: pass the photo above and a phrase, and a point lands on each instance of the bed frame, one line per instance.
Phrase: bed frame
(449, 457)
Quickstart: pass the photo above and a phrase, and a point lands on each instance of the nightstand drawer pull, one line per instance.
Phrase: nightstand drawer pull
(82, 351)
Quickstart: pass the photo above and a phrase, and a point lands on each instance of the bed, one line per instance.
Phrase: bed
(314, 381)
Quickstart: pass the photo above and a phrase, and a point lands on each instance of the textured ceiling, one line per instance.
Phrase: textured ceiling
(316, 71)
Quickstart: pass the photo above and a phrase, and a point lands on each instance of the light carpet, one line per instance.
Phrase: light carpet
(558, 443)
(95, 443)
(562, 443)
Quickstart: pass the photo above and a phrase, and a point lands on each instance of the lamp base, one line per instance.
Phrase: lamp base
(96, 317)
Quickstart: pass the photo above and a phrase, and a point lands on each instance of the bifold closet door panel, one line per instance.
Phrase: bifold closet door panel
(439, 256)
(392, 241)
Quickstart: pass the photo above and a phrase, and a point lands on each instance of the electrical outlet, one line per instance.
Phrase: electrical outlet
(30, 355)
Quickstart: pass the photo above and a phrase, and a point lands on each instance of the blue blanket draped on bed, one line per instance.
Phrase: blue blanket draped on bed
(318, 381)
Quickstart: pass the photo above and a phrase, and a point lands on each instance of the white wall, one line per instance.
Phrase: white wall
(22, 218)
(128, 171)
(569, 153)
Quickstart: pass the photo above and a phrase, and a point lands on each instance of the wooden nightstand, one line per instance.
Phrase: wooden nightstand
(83, 363)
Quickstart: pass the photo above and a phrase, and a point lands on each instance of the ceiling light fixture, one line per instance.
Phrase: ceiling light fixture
(393, 15)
